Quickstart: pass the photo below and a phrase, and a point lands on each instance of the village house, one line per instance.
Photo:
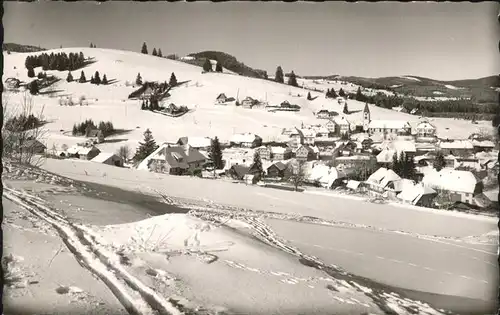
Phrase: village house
(389, 127)
(343, 126)
(249, 102)
(33, 146)
(469, 162)
(306, 153)
(296, 138)
(325, 142)
(325, 176)
(323, 114)
(417, 195)
(321, 132)
(461, 186)
(483, 146)
(175, 159)
(308, 136)
(246, 140)
(238, 171)
(280, 153)
(199, 143)
(408, 148)
(355, 162)
(96, 136)
(425, 148)
(222, 99)
(381, 181)
(425, 129)
(457, 147)
(332, 127)
(277, 170)
(109, 159)
(264, 152)
(83, 152)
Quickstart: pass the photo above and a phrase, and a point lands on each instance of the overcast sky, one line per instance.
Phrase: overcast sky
(437, 40)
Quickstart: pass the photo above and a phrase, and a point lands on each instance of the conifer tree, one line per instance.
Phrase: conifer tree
(396, 164)
(215, 154)
(292, 79)
(138, 80)
(33, 87)
(31, 72)
(279, 77)
(346, 109)
(341, 93)
(207, 66)
(144, 49)
(97, 79)
(154, 52)
(145, 148)
(359, 95)
(104, 80)
(408, 167)
(91, 45)
(257, 163)
(439, 162)
(82, 78)
(69, 78)
(92, 80)
(159, 53)
(173, 80)
(218, 67)
(333, 93)
(309, 96)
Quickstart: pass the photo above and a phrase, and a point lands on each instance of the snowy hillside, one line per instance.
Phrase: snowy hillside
(198, 93)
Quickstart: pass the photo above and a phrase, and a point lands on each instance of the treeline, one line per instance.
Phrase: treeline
(280, 77)
(88, 125)
(440, 106)
(95, 79)
(59, 61)
(155, 52)
(22, 123)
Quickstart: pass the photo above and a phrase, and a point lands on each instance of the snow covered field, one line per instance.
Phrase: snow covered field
(173, 263)
(198, 93)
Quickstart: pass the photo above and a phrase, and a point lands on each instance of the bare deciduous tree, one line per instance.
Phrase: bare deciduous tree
(296, 174)
(124, 152)
(23, 132)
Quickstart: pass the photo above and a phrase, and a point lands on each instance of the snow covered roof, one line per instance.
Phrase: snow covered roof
(86, 150)
(280, 150)
(308, 133)
(483, 144)
(389, 124)
(341, 120)
(382, 177)
(399, 146)
(386, 156)
(425, 125)
(413, 193)
(244, 137)
(457, 144)
(353, 184)
(197, 142)
(452, 180)
(325, 175)
(104, 156)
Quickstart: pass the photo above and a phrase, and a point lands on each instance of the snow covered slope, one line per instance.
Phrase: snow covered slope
(198, 93)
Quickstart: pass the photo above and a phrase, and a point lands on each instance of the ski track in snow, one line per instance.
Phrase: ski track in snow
(135, 296)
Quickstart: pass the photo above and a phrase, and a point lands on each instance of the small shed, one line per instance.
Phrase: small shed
(109, 159)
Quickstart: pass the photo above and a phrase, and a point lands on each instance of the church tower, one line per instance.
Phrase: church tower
(366, 118)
